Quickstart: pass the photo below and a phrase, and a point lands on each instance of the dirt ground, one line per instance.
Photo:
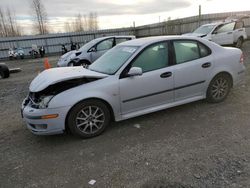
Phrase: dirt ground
(195, 145)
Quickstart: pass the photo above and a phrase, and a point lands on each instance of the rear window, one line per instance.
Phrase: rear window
(186, 51)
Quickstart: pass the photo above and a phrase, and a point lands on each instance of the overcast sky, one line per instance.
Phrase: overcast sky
(121, 13)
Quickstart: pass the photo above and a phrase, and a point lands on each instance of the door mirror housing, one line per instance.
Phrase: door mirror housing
(135, 71)
(93, 49)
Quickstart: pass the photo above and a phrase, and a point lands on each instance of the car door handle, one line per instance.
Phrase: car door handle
(206, 65)
(166, 74)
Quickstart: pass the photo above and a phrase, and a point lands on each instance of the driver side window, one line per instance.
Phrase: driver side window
(152, 58)
(105, 45)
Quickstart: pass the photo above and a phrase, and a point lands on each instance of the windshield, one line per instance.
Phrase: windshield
(111, 61)
(204, 29)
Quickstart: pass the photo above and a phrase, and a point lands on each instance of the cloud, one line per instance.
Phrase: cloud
(59, 11)
(68, 8)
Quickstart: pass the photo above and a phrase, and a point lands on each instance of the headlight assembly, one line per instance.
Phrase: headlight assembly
(45, 101)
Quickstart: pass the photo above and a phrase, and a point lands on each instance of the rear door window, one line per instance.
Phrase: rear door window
(186, 51)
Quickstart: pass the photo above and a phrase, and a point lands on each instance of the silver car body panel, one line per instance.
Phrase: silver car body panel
(133, 96)
(56, 75)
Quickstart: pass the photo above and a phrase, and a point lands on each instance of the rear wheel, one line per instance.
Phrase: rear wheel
(219, 88)
(88, 118)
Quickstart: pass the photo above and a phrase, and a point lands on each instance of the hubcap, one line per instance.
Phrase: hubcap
(85, 65)
(220, 88)
(90, 119)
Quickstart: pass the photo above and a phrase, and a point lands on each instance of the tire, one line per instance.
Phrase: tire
(84, 63)
(88, 118)
(4, 71)
(71, 64)
(219, 88)
(239, 42)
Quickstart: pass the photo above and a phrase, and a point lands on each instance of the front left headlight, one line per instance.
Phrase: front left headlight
(45, 101)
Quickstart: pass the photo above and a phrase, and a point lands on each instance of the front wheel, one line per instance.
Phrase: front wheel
(219, 88)
(239, 42)
(84, 63)
(71, 64)
(88, 118)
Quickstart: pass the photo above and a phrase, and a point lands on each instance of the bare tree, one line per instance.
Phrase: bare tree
(78, 23)
(8, 23)
(40, 17)
(82, 23)
(4, 31)
(67, 27)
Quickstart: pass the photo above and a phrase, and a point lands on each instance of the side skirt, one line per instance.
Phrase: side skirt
(161, 107)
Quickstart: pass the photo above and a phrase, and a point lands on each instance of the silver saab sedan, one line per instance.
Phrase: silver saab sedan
(134, 78)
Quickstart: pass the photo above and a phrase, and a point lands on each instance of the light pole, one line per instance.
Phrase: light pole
(199, 15)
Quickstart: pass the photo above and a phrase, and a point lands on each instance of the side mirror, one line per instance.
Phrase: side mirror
(135, 71)
(93, 49)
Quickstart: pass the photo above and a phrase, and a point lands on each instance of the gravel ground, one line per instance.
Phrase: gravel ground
(194, 145)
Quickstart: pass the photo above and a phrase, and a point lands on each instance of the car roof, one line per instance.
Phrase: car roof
(116, 36)
(216, 23)
(149, 40)
(219, 23)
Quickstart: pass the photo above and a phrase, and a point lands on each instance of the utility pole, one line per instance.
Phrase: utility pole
(134, 28)
(199, 15)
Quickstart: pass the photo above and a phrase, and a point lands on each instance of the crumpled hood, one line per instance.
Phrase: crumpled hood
(56, 75)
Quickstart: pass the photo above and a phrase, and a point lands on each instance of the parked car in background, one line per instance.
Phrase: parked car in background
(230, 32)
(134, 78)
(11, 54)
(19, 53)
(16, 53)
(34, 52)
(91, 51)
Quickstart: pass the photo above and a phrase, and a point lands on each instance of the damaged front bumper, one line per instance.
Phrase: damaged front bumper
(44, 121)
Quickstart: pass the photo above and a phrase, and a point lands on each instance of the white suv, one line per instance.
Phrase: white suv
(224, 33)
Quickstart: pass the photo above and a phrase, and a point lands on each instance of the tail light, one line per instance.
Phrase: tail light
(242, 59)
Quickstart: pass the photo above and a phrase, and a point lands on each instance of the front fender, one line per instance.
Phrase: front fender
(106, 89)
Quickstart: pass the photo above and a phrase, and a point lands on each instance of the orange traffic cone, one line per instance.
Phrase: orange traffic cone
(46, 64)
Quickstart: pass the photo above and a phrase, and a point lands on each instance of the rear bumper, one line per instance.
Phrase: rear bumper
(39, 126)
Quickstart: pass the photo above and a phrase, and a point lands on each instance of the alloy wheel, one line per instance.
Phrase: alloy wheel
(220, 88)
(90, 119)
